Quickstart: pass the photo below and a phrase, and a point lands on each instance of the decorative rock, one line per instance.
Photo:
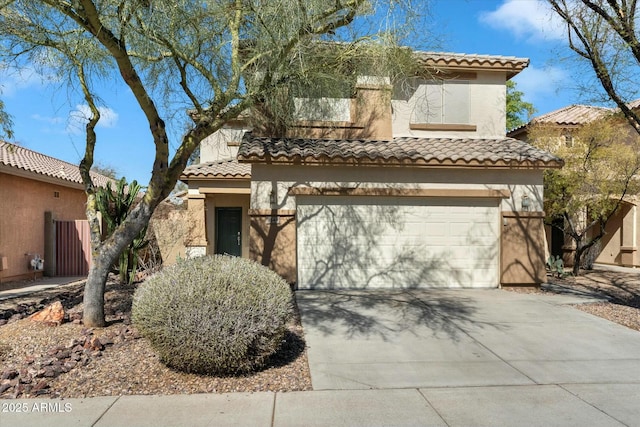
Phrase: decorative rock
(4, 387)
(41, 386)
(51, 315)
(9, 374)
(94, 344)
(47, 362)
(53, 350)
(63, 354)
(50, 372)
(105, 341)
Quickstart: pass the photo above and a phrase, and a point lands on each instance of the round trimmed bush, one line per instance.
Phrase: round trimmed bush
(213, 315)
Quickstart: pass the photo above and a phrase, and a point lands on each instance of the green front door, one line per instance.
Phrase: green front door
(228, 231)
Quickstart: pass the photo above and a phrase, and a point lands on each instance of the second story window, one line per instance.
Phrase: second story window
(323, 109)
(441, 102)
(327, 101)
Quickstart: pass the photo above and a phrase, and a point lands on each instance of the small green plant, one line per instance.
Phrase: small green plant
(213, 315)
(555, 265)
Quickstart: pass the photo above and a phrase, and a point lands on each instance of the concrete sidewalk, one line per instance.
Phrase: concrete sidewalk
(531, 405)
(39, 285)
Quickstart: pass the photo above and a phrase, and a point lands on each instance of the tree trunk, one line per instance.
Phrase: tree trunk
(104, 256)
(577, 258)
(576, 264)
(93, 315)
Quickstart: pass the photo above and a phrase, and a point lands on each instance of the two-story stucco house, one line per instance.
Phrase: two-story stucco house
(399, 187)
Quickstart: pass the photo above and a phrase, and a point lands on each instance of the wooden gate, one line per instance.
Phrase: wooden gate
(72, 248)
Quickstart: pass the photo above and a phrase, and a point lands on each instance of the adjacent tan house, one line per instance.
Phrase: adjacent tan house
(621, 241)
(41, 196)
(396, 187)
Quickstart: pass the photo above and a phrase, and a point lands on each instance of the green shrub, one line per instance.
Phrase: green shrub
(213, 315)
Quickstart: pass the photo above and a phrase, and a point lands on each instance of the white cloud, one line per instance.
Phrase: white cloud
(540, 83)
(79, 117)
(49, 120)
(13, 79)
(530, 19)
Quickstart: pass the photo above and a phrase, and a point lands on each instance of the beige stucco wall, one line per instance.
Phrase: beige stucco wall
(273, 241)
(267, 178)
(24, 202)
(619, 246)
(523, 248)
(222, 144)
(369, 118)
(522, 235)
(487, 99)
(171, 227)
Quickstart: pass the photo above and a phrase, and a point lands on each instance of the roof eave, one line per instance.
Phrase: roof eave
(36, 176)
(394, 162)
(201, 176)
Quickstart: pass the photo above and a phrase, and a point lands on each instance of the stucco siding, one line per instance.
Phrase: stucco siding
(279, 179)
(619, 245)
(221, 145)
(487, 98)
(24, 202)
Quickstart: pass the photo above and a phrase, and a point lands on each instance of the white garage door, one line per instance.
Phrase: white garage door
(397, 242)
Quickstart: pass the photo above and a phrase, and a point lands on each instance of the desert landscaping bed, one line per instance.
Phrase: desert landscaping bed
(70, 360)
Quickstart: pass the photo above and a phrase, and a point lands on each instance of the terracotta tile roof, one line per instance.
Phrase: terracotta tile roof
(15, 156)
(461, 61)
(573, 115)
(229, 168)
(570, 116)
(634, 104)
(502, 152)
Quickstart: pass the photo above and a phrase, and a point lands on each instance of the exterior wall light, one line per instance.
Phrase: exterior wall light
(525, 203)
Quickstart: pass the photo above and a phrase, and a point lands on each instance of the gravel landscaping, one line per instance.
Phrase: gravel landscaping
(72, 361)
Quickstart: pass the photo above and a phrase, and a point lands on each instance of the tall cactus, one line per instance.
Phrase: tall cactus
(115, 206)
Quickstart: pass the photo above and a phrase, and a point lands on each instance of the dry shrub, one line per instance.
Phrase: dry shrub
(213, 315)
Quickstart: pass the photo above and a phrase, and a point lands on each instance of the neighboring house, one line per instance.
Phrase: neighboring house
(397, 187)
(619, 245)
(41, 194)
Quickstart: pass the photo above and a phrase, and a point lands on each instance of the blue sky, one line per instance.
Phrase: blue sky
(48, 118)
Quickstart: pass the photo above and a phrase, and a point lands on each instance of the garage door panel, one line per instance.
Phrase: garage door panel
(368, 242)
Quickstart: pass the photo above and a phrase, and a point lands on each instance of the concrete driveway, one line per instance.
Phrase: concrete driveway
(490, 351)
(435, 338)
